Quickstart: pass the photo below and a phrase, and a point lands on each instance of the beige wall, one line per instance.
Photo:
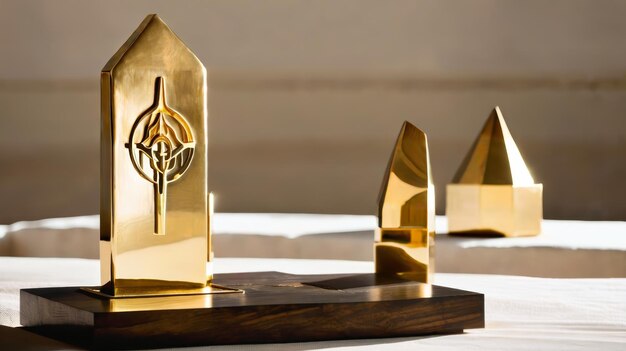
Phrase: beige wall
(306, 97)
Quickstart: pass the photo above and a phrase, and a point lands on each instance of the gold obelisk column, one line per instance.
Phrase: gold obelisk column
(493, 192)
(154, 211)
(405, 238)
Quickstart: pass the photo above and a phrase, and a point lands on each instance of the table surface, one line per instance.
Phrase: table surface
(563, 250)
(522, 313)
(607, 234)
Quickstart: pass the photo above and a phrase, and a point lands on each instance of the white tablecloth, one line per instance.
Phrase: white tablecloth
(522, 313)
(565, 249)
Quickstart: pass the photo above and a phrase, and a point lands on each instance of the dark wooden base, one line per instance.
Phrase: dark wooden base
(275, 308)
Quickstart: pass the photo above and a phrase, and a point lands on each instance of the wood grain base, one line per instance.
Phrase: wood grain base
(275, 308)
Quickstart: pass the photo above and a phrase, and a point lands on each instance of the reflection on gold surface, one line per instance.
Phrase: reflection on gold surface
(151, 289)
(406, 213)
(493, 190)
(155, 300)
(411, 256)
(413, 291)
(154, 166)
(159, 303)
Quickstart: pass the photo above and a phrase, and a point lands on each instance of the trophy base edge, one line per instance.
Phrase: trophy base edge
(208, 290)
(276, 308)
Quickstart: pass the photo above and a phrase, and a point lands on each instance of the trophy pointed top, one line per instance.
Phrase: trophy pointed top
(494, 157)
(408, 174)
(160, 93)
(155, 39)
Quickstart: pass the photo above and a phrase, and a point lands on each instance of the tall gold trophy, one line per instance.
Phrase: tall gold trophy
(405, 239)
(154, 210)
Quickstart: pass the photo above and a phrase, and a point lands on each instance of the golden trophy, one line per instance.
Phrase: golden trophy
(154, 207)
(405, 239)
(156, 215)
(493, 192)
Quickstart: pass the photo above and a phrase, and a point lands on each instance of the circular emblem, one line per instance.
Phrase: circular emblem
(161, 142)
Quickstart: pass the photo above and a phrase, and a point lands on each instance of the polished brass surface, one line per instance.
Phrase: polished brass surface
(493, 192)
(154, 211)
(406, 210)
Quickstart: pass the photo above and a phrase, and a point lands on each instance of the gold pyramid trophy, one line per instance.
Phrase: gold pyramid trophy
(154, 207)
(406, 210)
(493, 192)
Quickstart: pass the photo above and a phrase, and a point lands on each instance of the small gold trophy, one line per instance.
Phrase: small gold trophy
(493, 192)
(406, 210)
(154, 211)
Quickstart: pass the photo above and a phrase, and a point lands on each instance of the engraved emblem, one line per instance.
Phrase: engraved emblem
(161, 149)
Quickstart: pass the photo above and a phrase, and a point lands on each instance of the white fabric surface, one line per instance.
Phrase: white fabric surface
(522, 313)
(565, 249)
(600, 235)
